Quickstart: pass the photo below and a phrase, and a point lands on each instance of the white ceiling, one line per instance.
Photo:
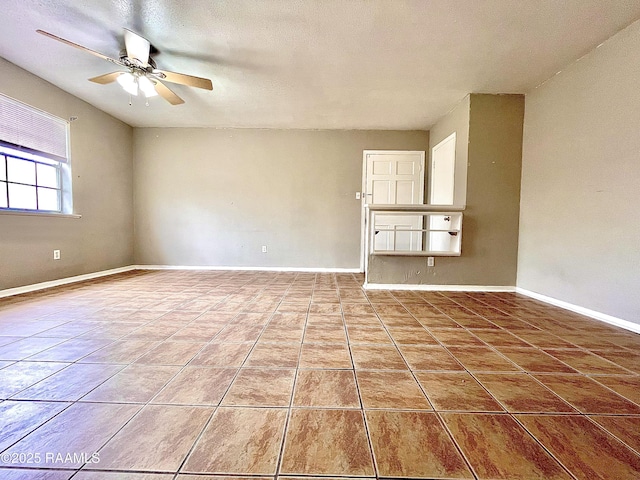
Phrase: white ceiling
(326, 64)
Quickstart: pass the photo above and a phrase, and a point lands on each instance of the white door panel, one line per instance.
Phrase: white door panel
(396, 178)
(405, 192)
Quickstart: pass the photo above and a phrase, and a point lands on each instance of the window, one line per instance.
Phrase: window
(35, 173)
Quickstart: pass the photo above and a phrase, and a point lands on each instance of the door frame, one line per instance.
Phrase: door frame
(364, 258)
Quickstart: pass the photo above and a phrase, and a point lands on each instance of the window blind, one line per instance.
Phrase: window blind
(26, 128)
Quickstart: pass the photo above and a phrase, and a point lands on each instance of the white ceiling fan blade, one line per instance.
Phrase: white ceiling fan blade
(184, 79)
(137, 47)
(106, 78)
(166, 93)
(79, 47)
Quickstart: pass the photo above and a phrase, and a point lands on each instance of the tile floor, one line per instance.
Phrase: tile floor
(200, 375)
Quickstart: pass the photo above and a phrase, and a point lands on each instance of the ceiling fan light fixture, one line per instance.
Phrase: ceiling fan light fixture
(147, 86)
(128, 82)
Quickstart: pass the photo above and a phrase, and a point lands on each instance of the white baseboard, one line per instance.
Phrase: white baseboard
(440, 288)
(63, 281)
(603, 317)
(248, 269)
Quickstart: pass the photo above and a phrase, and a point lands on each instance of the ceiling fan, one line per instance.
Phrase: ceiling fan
(141, 74)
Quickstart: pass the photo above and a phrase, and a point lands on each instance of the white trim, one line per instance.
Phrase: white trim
(63, 281)
(603, 317)
(249, 269)
(36, 213)
(438, 288)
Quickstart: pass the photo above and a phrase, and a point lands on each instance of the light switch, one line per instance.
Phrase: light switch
(357, 195)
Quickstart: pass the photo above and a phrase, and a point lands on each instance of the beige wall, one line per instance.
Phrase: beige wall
(213, 197)
(580, 227)
(490, 224)
(101, 155)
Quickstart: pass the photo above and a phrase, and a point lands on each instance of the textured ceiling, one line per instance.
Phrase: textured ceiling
(326, 64)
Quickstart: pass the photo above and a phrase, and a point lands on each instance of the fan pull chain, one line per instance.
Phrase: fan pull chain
(129, 99)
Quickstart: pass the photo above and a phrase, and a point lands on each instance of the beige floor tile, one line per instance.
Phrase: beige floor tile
(261, 387)
(534, 360)
(239, 441)
(586, 362)
(136, 383)
(429, 358)
(154, 331)
(377, 357)
(627, 386)
(203, 326)
(19, 474)
(21, 375)
(87, 475)
(626, 428)
(588, 396)
(391, 389)
(20, 418)
(274, 355)
(457, 337)
(506, 450)
(326, 388)
(414, 445)
(520, 392)
(120, 352)
(223, 355)
(583, 447)
(239, 333)
(82, 429)
(162, 436)
(325, 356)
(171, 353)
(197, 332)
(70, 350)
(71, 383)
(27, 347)
(480, 359)
(326, 442)
(456, 391)
(411, 336)
(282, 334)
(221, 477)
(368, 335)
(626, 359)
(324, 334)
(6, 340)
(197, 386)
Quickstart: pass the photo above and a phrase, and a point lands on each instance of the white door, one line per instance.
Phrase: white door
(443, 163)
(395, 177)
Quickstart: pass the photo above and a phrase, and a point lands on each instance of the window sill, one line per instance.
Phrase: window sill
(28, 213)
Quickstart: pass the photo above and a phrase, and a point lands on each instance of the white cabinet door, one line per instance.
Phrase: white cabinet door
(396, 178)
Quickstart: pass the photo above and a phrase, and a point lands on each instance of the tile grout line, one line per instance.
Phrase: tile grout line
(285, 432)
(367, 431)
(437, 414)
(216, 407)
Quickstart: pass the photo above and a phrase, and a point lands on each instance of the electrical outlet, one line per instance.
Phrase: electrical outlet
(264, 249)
(56, 254)
(430, 261)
